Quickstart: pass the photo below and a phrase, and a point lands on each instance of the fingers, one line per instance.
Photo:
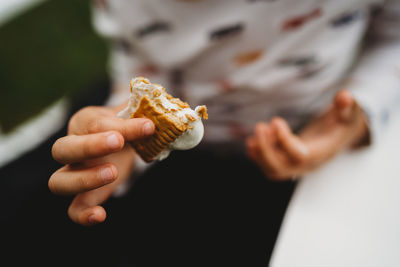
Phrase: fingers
(292, 144)
(85, 208)
(266, 141)
(280, 153)
(76, 148)
(344, 104)
(85, 215)
(68, 180)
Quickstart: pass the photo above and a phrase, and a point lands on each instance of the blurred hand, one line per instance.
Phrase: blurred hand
(96, 159)
(282, 155)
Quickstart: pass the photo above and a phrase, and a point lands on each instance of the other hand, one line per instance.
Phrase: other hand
(282, 154)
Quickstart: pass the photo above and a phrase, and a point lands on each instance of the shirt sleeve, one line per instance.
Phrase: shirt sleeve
(376, 78)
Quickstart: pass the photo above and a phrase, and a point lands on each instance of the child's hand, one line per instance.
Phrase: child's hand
(281, 154)
(96, 159)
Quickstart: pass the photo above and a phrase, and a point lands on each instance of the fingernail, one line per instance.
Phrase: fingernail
(107, 175)
(148, 128)
(113, 141)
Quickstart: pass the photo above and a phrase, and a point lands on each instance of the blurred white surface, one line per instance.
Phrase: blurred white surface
(347, 213)
(33, 132)
(12, 8)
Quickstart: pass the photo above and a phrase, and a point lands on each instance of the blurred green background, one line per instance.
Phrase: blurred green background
(47, 52)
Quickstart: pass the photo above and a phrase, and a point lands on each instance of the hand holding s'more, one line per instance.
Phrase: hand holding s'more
(177, 126)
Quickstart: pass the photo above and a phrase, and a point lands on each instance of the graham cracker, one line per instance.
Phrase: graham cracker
(167, 129)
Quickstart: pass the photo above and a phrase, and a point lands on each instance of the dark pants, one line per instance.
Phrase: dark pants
(194, 208)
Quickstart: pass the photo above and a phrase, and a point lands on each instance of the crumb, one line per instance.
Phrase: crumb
(144, 80)
(168, 96)
(156, 93)
(131, 84)
(190, 117)
(202, 111)
(180, 103)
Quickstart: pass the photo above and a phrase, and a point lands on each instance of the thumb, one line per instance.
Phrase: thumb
(344, 105)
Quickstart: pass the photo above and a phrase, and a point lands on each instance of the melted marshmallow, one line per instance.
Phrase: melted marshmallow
(190, 138)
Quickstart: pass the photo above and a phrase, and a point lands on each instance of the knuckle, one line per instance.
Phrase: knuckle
(74, 214)
(76, 119)
(94, 126)
(88, 149)
(85, 115)
(82, 183)
(59, 150)
(71, 213)
(72, 122)
(124, 131)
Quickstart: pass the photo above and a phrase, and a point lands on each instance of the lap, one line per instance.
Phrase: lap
(196, 205)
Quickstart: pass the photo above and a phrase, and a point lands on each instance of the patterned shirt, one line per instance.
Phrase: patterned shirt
(250, 60)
